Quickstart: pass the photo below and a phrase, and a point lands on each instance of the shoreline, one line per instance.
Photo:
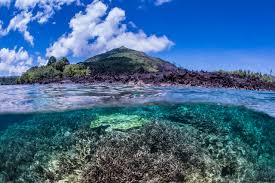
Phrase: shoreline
(127, 66)
(144, 84)
(157, 84)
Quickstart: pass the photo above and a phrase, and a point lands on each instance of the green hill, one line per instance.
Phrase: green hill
(130, 66)
(120, 61)
(123, 60)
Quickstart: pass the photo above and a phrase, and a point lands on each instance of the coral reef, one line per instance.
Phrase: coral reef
(26, 148)
(155, 153)
(156, 143)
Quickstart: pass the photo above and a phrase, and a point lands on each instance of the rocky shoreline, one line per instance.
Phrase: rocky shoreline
(126, 66)
(179, 78)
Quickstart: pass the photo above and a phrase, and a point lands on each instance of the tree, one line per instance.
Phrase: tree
(76, 70)
(52, 60)
(65, 60)
(60, 65)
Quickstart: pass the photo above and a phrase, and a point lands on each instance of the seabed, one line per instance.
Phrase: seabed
(188, 142)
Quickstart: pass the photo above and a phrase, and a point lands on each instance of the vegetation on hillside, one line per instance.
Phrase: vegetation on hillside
(249, 74)
(124, 60)
(54, 70)
(9, 80)
(130, 66)
(76, 70)
(116, 65)
(114, 62)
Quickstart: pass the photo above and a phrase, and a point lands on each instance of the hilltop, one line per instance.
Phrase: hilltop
(123, 65)
(105, 67)
(127, 61)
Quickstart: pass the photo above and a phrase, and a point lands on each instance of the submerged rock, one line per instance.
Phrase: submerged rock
(120, 122)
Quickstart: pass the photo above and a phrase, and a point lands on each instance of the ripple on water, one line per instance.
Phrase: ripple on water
(56, 97)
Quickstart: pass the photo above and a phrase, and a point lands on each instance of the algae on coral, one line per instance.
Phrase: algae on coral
(120, 122)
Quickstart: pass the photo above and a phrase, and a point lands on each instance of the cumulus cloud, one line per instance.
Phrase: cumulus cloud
(41, 61)
(99, 29)
(20, 23)
(14, 61)
(5, 2)
(46, 7)
(25, 4)
(161, 2)
(31, 11)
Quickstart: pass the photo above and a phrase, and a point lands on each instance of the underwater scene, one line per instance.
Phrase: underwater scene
(113, 134)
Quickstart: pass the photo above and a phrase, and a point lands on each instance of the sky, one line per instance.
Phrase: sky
(198, 35)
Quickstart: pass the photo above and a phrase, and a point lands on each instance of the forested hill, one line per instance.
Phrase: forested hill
(123, 65)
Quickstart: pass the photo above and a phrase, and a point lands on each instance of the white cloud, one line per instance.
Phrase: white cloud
(26, 4)
(161, 2)
(46, 7)
(133, 25)
(20, 23)
(97, 30)
(31, 11)
(14, 61)
(82, 24)
(5, 2)
(138, 41)
(41, 61)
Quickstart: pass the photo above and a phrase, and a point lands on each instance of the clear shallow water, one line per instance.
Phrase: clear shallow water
(188, 142)
(88, 133)
(37, 98)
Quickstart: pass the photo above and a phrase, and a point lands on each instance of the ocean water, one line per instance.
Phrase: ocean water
(117, 133)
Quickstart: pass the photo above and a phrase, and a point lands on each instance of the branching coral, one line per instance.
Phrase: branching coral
(155, 153)
(72, 162)
(180, 143)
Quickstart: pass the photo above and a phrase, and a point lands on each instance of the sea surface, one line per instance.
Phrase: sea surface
(126, 133)
(54, 97)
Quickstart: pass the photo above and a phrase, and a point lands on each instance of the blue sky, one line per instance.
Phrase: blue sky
(197, 34)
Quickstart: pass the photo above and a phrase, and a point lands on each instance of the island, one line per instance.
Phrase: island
(127, 66)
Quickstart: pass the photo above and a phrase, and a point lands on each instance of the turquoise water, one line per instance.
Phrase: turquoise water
(88, 133)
